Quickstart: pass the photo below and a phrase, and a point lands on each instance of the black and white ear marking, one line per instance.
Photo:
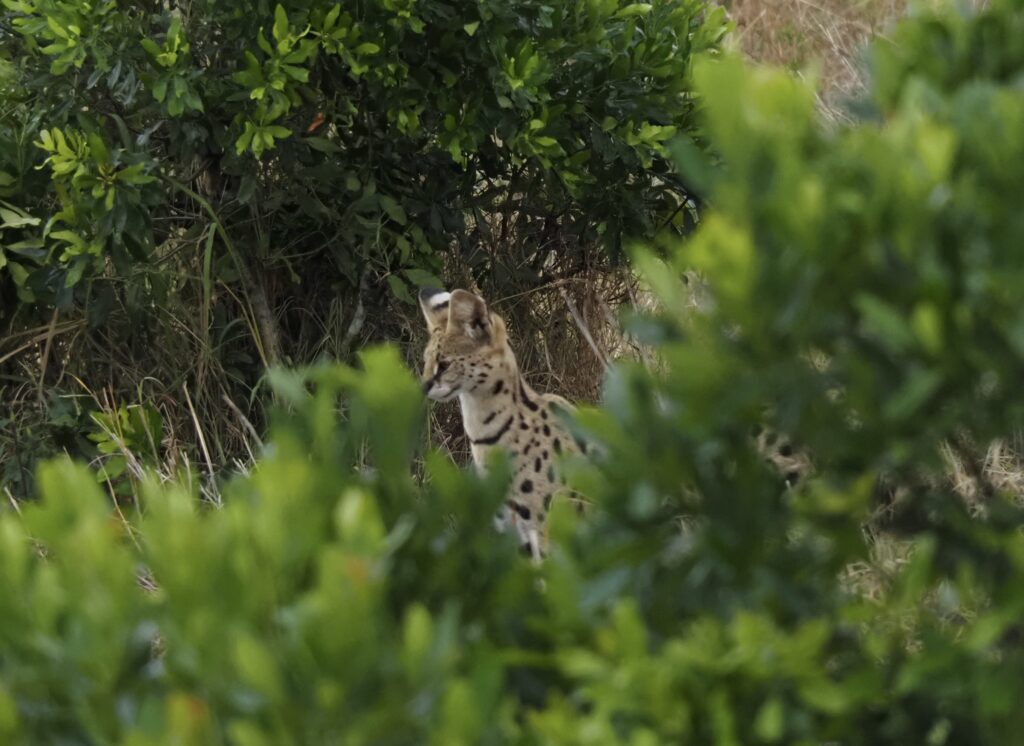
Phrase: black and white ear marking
(468, 313)
(434, 304)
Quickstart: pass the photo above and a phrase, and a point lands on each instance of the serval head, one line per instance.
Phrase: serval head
(468, 348)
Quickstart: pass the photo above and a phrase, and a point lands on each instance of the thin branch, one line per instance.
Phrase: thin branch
(583, 328)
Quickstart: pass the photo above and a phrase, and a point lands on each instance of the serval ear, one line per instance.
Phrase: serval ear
(434, 303)
(468, 314)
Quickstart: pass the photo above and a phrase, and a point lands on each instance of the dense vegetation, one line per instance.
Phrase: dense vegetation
(866, 286)
(198, 190)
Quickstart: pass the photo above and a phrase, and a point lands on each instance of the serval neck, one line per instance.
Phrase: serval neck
(489, 411)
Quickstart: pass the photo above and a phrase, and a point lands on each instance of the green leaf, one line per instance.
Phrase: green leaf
(693, 163)
(927, 325)
(135, 174)
(245, 139)
(421, 278)
(825, 696)
(417, 635)
(470, 28)
(57, 28)
(322, 144)
(399, 289)
(75, 271)
(264, 44)
(885, 322)
(919, 387)
(175, 105)
(246, 189)
(160, 89)
(277, 131)
(98, 149)
(255, 665)
(280, 29)
(636, 9)
(769, 723)
(455, 150)
(300, 74)
(14, 217)
(18, 273)
(111, 468)
(331, 18)
(393, 209)
(193, 100)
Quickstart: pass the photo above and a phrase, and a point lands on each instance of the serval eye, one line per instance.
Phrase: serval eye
(442, 366)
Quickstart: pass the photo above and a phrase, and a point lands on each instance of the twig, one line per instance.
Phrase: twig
(199, 433)
(583, 328)
(13, 499)
(66, 327)
(244, 420)
(358, 317)
(50, 334)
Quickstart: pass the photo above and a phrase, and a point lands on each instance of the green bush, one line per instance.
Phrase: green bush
(377, 125)
(866, 302)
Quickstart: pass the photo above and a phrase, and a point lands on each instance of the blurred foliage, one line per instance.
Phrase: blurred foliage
(867, 301)
(214, 187)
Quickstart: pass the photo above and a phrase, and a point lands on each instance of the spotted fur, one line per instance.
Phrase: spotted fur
(778, 451)
(468, 358)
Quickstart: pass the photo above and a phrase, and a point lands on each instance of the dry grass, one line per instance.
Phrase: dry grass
(826, 37)
(829, 35)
